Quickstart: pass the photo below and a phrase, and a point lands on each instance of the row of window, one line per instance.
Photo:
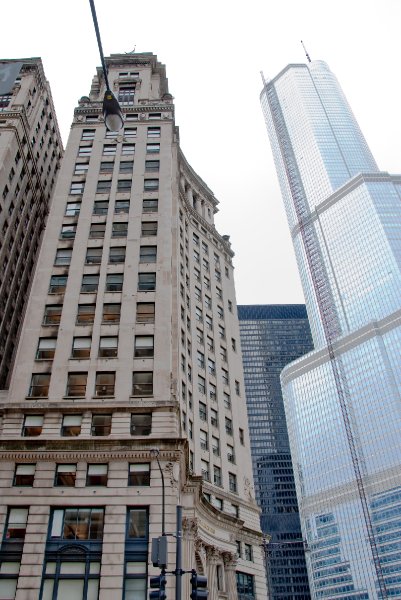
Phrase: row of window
(114, 283)
(96, 474)
(145, 313)
(77, 188)
(101, 207)
(108, 347)
(140, 425)
(119, 229)
(147, 254)
(151, 132)
(142, 384)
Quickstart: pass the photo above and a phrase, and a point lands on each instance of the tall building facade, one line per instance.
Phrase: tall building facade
(343, 400)
(30, 154)
(271, 337)
(130, 343)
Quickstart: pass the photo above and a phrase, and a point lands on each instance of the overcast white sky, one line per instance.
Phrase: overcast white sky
(214, 52)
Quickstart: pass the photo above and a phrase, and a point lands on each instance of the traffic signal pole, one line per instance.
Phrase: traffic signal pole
(178, 555)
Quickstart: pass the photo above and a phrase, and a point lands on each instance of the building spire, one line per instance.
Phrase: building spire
(306, 52)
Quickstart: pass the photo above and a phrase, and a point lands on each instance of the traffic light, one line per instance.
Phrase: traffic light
(158, 584)
(198, 586)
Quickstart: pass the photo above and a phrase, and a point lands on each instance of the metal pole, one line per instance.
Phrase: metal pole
(163, 499)
(99, 43)
(178, 555)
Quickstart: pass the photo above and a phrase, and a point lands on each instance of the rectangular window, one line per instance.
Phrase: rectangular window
(72, 209)
(68, 232)
(16, 524)
(126, 94)
(214, 419)
(128, 149)
(97, 475)
(77, 524)
(211, 366)
(216, 446)
(205, 470)
(232, 483)
(93, 256)
(85, 314)
(148, 254)
(203, 440)
(144, 346)
(145, 312)
(24, 475)
(245, 586)
(121, 206)
(88, 134)
(230, 454)
(46, 348)
(101, 425)
(155, 116)
(224, 376)
(65, 475)
(105, 383)
(148, 228)
(77, 188)
(146, 282)
(111, 313)
(33, 425)
(139, 474)
(248, 554)
(151, 185)
(137, 525)
(142, 383)
(84, 150)
(119, 229)
(131, 116)
(217, 476)
(100, 207)
(71, 425)
(212, 391)
(124, 185)
(153, 132)
(129, 132)
(106, 167)
(109, 149)
(141, 424)
(76, 384)
(114, 282)
(153, 148)
(149, 206)
(108, 347)
(63, 257)
(89, 283)
(152, 166)
(81, 168)
(81, 347)
(229, 426)
(202, 411)
(237, 388)
(200, 359)
(39, 387)
(126, 166)
(97, 230)
(103, 186)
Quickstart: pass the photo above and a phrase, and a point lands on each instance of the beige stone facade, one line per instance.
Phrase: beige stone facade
(130, 342)
(30, 154)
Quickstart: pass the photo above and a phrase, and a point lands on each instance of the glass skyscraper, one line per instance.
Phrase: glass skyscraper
(271, 337)
(342, 400)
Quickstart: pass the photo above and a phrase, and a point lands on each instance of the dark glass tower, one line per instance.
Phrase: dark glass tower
(271, 337)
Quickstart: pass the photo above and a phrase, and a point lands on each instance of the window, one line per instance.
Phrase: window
(232, 482)
(76, 384)
(137, 524)
(202, 411)
(142, 383)
(68, 232)
(216, 446)
(24, 475)
(126, 166)
(205, 264)
(199, 336)
(146, 282)
(239, 548)
(233, 344)
(223, 354)
(149, 206)
(145, 312)
(211, 366)
(93, 256)
(147, 254)
(208, 302)
(237, 388)
(139, 474)
(109, 149)
(84, 150)
(209, 325)
(214, 417)
(153, 132)
(141, 424)
(203, 440)
(220, 312)
(210, 342)
(126, 94)
(217, 476)
(100, 207)
(128, 149)
(89, 283)
(206, 282)
(153, 148)
(230, 306)
(111, 313)
(106, 167)
(230, 454)
(103, 186)
(72, 209)
(46, 348)
(199, 314)
(101, 425)
(71, 425)
(227, 400)
(108, 347)
(77, 188)
(86, 314)
(105, 382)
(130, 132)
(16, 524)
(114, 282)
(121, 206)
(229, 426)
(119, 229)
(91, 119)
(144, 346)
(88, 134)
(200, 359)
(52, 314)
(32, 425)
(245, 586)
(148, 228)
(248, 554)
(201, 384)
(131, 116)
(222, 332)
(65, 475)
(242, 437)
(97, 230)
(224, 376)
(205, 470)
(151, 185)
(97, 475)
(212, 391)
(124, 185)
(77, 524)
(155, 116)
(81, 347)
(39, 387)
(63, 257)
(152, 166)
(217, 275)
(81, 169)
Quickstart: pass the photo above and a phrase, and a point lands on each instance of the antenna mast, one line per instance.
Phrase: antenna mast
(263, 78)
(306, 52)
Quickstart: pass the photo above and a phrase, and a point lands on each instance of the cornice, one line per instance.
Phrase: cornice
(77, 444)
(90, 406)
(100, 455)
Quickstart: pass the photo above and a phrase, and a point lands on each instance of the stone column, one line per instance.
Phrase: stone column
(30, 575)
(230, 564)
(112, 568)
(213, 558)
(189, 533)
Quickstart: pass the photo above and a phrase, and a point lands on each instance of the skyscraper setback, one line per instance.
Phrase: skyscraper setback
(130, 343)
(342, 400)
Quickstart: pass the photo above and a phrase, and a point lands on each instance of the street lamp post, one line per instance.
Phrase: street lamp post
(112, 114)
(155, 452)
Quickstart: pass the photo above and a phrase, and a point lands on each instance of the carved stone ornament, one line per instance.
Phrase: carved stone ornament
(190, 526)
(249, 491)
(173, 470)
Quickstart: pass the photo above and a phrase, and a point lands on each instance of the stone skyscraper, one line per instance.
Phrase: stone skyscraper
(30, 154)
(343, 400)
(130, 343)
